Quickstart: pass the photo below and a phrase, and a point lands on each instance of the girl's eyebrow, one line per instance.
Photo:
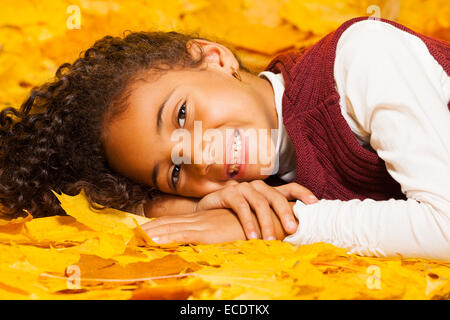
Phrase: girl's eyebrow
(159, 119)
(155, 173)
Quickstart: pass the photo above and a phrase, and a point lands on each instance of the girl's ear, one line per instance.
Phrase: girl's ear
(215, 55)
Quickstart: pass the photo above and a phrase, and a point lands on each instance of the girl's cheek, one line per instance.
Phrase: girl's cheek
(199, 189)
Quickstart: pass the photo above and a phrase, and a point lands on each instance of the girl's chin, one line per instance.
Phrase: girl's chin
(250, 174)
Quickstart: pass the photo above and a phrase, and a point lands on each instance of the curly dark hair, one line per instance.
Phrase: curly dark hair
(55, 140)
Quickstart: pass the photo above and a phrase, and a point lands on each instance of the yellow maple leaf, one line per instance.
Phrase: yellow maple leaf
(106, 220)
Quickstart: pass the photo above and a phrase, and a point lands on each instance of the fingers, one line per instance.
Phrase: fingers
(242, 198)
(258, 198)
(294, 191)
(280, 205)
(283, 209)
(170, 230)
(166, 220)
(180, 237)
(262, 209)
(207, 227)
(169, 227)
(240, 205)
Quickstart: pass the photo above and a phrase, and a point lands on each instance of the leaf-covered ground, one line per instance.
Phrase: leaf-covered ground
(106, 255)
(90, 255)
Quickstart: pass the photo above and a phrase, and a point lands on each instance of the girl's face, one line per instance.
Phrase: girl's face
(198, 116)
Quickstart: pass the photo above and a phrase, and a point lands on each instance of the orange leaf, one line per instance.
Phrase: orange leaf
(14, 225)
(93, 267)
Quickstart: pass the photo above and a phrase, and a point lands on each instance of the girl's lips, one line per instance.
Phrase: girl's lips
(239, 167)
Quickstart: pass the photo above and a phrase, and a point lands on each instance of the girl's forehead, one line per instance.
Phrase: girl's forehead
(157, 86)
(161, 81)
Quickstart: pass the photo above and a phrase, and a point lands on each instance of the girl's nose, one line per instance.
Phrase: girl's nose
(208, 156)
(202, 169)
(207, 159)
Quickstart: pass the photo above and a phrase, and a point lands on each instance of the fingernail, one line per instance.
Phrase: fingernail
(313, 198)
(271, 238)
(292, 225)
(253, 235)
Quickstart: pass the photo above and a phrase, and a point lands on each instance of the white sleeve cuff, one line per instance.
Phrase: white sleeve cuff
(405, 228)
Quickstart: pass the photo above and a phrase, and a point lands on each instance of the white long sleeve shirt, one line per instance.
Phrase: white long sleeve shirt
(394, 96)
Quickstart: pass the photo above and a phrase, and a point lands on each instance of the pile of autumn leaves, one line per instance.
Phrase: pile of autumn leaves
(105, 255)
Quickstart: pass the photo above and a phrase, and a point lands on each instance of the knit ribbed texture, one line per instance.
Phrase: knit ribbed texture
(330, 161)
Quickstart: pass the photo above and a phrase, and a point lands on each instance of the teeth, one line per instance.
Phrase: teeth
(236, 147)
(234, 168)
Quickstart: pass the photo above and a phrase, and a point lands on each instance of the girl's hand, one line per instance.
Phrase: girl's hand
(264, 200)
(203, 227)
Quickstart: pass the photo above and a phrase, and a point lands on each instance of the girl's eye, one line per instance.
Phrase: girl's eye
(175, 175)
(182, 115)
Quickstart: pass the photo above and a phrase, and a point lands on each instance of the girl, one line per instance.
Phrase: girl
(362, 119)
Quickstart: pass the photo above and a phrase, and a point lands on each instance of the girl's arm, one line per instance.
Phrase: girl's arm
(397, 95)
(171, 205)
(247, 200)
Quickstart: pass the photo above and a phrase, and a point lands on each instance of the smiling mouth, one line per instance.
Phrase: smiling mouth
(236, 155)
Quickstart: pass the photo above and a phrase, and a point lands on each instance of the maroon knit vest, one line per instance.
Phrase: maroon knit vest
(330, 161)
